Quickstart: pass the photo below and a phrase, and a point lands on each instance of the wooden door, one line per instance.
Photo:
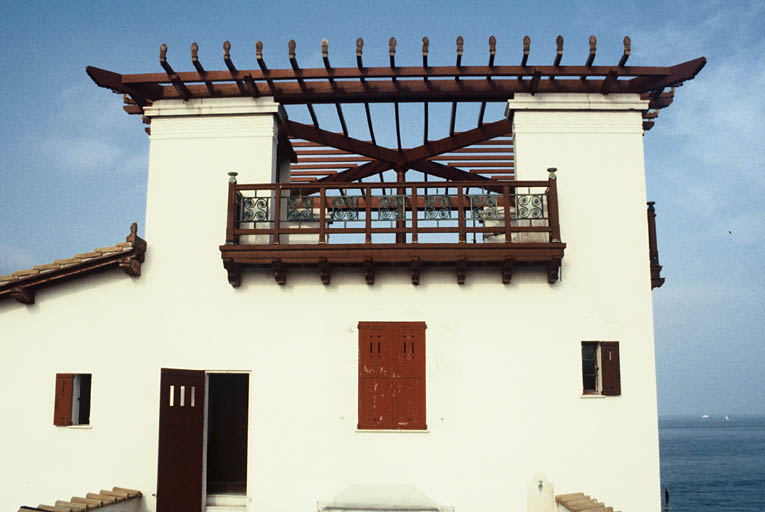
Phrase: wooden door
(181, 433)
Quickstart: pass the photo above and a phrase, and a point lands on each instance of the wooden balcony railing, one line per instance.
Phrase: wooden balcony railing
(505, 223)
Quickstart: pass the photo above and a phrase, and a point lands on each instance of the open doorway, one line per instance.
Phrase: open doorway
(227, 418)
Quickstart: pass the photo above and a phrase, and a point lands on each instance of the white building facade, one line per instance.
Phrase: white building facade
(509, 417)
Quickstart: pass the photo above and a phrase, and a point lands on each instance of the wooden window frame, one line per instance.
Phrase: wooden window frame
(392, 385)
(607, 374)
(72, 399)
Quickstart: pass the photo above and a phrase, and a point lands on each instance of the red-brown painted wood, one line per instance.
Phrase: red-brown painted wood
(181, 433)
(409, 376)
(392, 375)
(62, 414)
(609, 367)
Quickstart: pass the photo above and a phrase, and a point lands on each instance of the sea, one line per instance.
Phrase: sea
(712, 463)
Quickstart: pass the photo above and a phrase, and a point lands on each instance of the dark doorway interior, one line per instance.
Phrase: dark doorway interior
(227, 433)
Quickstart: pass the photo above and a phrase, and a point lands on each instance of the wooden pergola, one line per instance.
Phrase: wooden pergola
(479, 154)
(467, 203)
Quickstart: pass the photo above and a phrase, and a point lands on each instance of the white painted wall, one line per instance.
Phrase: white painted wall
(503, 361)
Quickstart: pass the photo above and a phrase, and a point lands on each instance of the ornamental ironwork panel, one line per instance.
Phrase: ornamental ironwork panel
(530, 206)
(344, 208)
(437, 207)
(254, 209)
(300, 208)
(391, 207)
(483, 206)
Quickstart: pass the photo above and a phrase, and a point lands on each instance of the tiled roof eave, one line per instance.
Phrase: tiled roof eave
(128, 256)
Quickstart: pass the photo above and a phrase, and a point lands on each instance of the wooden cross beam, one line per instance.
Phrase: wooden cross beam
(413, 158)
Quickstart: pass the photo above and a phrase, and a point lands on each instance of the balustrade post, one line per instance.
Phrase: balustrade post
(461, 213)
(231, 213)
(368, 220)
(414, 214)
(506, 207)
(552, 205)
(277, 214)
(322, 215)
(401, 191)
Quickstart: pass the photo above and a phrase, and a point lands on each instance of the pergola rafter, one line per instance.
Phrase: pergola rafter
(357, 159)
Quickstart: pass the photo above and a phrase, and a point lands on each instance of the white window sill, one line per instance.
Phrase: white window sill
(80, 427)
(593, 395)
(391, 431)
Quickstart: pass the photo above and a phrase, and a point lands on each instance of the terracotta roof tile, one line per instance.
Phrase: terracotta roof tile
(580, 502)
(94, 501)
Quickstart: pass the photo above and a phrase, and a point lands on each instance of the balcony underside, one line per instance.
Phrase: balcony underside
(279, 258)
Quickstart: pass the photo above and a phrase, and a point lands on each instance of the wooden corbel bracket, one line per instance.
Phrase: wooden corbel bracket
(324, 271)
(414, 269)
(131, 265)
(280, 274)
(461, 266)
(507, 270)
(369, 271)
(24, 295)
(234, 272)
(553, 270)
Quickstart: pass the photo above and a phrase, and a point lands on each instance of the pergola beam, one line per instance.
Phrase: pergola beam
(336, 140)
(402, 72)
(414, 158)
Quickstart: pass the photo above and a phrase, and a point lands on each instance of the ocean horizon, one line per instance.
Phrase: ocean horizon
(712, 463)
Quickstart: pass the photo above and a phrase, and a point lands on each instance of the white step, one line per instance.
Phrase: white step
(233, 501)
(208, 508)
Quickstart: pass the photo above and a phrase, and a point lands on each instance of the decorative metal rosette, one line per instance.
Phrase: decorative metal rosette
(530, 206)
(344, 208)
(437, 207)
(390, 207)
(254, 209)
(483, 206)
(300, 208)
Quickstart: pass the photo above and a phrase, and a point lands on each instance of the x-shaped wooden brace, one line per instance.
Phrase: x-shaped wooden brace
(413, 158)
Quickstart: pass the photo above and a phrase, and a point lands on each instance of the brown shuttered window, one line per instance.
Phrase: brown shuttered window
(609, 363)
(72, 402)
(62, 413)
(392, 375)
(600, 368)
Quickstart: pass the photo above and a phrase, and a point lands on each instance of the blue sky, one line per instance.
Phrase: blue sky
(73, 167)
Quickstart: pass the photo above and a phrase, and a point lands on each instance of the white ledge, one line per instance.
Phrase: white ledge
(213, 106)
(576, 101)
(392, 431)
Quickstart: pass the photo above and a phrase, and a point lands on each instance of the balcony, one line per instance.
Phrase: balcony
(503, 224)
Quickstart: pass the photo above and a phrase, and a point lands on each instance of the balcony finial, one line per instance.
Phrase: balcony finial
(551, 171)
(232, 176)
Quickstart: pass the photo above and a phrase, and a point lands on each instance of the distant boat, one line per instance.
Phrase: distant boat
(705, 416)
(727, 418)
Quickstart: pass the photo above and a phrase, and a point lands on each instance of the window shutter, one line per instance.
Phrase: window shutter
(609, 362)
(375, 377)
(409, 376)
(62, 413)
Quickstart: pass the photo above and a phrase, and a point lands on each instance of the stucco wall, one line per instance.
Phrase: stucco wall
(503, 361)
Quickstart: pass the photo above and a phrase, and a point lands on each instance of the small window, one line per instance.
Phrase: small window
(72, 403)
(600, 368)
